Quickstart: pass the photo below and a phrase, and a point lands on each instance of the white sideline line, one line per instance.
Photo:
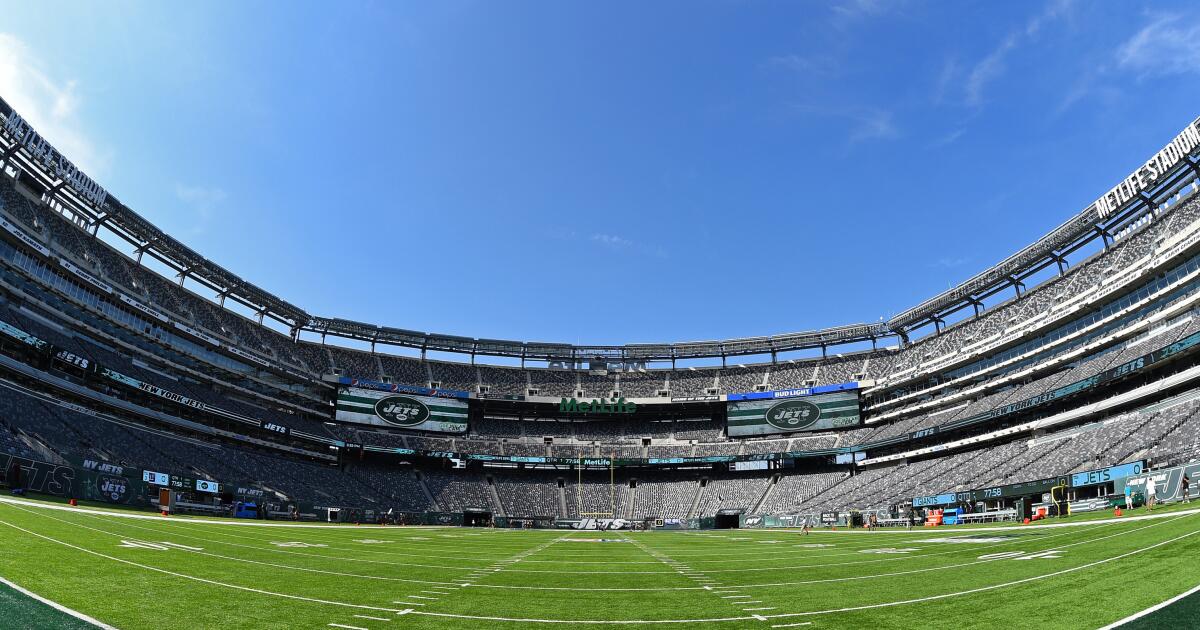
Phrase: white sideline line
(760, 608)
(56, 606)
(338, 625)
(792, 625)
(1154, 608)
(422, 597)
(408, 603)
(160, 518)
(373, 618)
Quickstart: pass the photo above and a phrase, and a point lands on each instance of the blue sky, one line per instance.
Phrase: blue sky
(605, 172)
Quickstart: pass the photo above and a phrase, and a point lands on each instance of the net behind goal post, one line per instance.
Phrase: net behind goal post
(612, 491)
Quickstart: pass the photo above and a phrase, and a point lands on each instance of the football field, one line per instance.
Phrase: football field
(139, 570)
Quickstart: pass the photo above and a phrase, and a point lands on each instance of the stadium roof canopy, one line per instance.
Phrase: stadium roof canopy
(68, 189)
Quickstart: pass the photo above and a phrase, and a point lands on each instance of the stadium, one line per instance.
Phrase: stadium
(183, 448)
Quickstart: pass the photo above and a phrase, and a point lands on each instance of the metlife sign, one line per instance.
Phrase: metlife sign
(54, 161)
(1147, 175)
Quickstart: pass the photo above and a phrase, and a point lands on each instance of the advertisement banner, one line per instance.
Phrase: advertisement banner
(111, 483)
(396, 388)
(1105, 475)
(1167, 482)
(490, 396)
(23, 237)
(87, 277)
(152, 389)
(142, 308)
(408, 411)
(937, 499)
(21, 335)
(40, 476)
(795, 393)
(808, 413)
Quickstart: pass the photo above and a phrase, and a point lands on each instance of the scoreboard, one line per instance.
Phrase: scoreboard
(178, 482)
(156, 478)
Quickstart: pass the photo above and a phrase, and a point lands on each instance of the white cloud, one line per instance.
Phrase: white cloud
(50, 104)
(612, 240)
(1169, 44)
(948, 262)
(988, 69)
(865, 123)
(993, 65)
(807, 65)
(949, 138)
(872, 124)
(854, 9)
(620, 243)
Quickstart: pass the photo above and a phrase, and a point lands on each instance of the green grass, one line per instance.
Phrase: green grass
(224, 576)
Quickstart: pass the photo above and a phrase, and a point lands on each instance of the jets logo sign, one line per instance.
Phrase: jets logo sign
(112, 488)
(402, 410)
(793, 415)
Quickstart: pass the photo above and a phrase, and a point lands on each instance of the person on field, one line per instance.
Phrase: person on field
(910, 520)
(1183, 488)
(1150, 493)
(1128, 497)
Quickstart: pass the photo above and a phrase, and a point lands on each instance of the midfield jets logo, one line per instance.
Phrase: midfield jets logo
(793, 415)
(401, 410)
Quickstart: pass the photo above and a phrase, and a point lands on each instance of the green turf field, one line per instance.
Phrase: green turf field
(155, 572)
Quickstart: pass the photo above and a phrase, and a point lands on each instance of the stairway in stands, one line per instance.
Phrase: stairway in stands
(497, 504)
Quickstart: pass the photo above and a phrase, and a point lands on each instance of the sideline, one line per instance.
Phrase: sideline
(205, 520)
(966, 531)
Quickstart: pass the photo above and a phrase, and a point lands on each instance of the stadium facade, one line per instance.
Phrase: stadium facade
(1070, 367)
